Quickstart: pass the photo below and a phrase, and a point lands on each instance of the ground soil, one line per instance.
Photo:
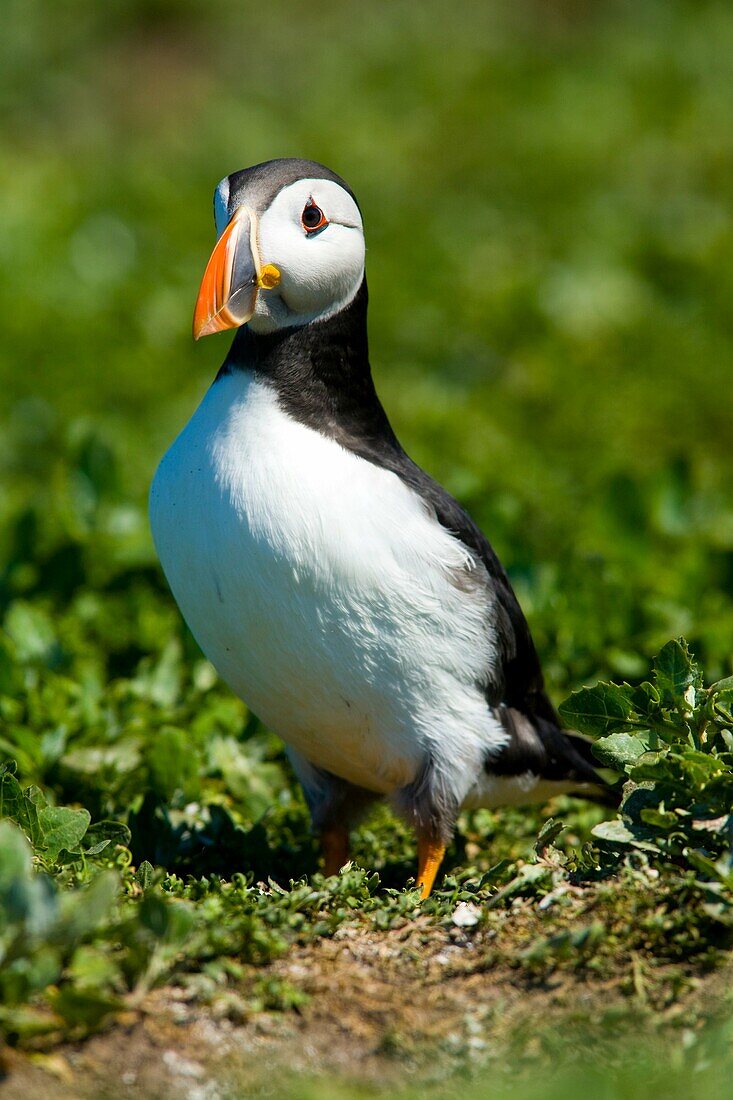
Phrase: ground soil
(387, 1008)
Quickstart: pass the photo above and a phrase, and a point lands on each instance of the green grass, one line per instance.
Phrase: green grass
(546, 191)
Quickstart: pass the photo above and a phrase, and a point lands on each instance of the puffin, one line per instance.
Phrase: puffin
(338, 589)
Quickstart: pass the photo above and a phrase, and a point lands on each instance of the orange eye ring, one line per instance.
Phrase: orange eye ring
(312, 219)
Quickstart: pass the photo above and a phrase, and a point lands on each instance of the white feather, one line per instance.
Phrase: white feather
(324, 593)
(492, 791)
(320, 272)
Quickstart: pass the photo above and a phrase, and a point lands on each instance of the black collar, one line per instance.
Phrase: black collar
(322, 377)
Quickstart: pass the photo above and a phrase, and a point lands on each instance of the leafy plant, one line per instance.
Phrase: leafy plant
(673, 739)
(60, 836)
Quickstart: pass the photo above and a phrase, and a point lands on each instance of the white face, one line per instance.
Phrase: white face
(322, 269)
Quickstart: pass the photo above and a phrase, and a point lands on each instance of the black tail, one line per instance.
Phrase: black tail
(537, 745)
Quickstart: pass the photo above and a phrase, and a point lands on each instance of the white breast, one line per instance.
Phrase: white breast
(323, 592)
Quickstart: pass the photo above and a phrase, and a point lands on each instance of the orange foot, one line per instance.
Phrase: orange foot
(430, 854)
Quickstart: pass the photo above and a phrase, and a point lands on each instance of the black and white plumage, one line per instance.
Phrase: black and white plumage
(338, 589)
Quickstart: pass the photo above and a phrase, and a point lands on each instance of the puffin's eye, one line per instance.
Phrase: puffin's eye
(313, 217)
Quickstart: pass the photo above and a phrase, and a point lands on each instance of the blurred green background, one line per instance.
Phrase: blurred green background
(546, 189)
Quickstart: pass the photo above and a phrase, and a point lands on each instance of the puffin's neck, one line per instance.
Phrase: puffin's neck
(322, 376)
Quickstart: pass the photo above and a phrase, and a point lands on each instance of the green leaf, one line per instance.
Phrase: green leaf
(17, 859)
(645, 699)
(84, 1006)
(102, 834)
(15, 804)
(63, 828)
(25, 1023)
(651, 767)
(28, 900)
(122, 757)
(35, 795)
(548, 834)
(31, 629)
(699, 768)
(598, 710)
(676, 673)
(705, 865)
(161, 684)
(496, 874)
(617, 832)
(720, 703)
(529, 875)
(660, 819)
(145, 875)
(618, 750)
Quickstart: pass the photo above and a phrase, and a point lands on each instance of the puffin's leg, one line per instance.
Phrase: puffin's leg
(430, 852)
(334, 805)
(430, 804)
(335, 845)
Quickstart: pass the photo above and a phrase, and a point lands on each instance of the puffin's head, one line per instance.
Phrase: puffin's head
(290, 249)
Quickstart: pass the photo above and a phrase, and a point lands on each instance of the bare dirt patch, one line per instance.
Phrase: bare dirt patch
(382, 1008)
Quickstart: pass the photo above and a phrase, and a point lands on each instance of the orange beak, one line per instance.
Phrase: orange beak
(234, 275)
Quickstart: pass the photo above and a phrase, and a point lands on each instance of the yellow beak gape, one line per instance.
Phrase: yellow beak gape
(269, 277)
